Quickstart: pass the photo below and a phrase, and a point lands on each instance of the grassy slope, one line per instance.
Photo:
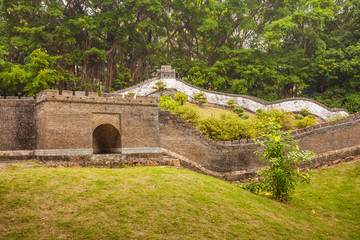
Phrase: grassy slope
(206, 111)
(166, 203)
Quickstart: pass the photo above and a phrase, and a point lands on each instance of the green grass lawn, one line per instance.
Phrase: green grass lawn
(166, 203)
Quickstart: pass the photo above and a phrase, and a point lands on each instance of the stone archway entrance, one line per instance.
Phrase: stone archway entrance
(106, 139)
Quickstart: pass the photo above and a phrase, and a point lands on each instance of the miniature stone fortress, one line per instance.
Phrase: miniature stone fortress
(112, 129)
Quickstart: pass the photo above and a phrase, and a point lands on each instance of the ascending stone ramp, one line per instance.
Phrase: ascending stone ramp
(247, 102)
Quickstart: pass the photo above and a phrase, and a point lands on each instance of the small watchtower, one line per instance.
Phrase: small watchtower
(166, 72)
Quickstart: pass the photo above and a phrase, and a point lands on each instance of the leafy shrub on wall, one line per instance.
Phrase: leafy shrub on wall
(167, 103)
(231, 104)
(181, 98)
(200, 98)
(285, 119)
(305, 122)
(228, 127)
(188, 112)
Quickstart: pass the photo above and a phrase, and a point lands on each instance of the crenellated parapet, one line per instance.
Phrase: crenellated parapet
(93, 97)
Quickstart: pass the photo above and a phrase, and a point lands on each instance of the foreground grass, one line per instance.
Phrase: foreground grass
(166, 203)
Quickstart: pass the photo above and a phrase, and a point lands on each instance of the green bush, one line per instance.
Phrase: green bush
(304, 112)
(352, 102)
(305, 122)
(244, 116)
(297, 117)
(189, 113)
(181, 98)
(238, 110)
(200, 98)
(228, 127)
(337, 118)
(167, 103)
(282, 155)
(231, 104)
(159, 86)
(281, 117)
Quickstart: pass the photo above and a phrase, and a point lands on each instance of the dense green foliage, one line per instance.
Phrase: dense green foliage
(181, 98)
(234, 125)
(283, 158)
(269, 49)
(200, 98)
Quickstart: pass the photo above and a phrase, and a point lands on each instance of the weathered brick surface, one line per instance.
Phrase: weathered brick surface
(68, 122)
(17, 124)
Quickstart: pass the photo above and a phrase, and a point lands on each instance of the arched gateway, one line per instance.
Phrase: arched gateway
(106, 139)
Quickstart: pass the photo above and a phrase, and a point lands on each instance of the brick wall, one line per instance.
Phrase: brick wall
(17, 124)
(67, 122)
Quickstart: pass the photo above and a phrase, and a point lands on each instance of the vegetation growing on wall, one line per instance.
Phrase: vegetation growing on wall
(235, 125)
(267, 49)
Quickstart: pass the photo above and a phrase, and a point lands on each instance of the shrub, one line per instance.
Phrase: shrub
(305, 122)
(167, 103)
(297, 117)
(131, 93)
(181, 98)
(244, 116)
(231, 104)
(159, 86)
(283, 158)
(304, 112)
(189, 113)
(281, 117)
(228, 127)
(337, 118)
(200, 98)
(238, 110)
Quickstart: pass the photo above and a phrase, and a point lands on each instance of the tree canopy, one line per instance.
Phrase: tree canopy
(265, 48)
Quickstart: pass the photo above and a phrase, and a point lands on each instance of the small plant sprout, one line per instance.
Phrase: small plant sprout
(159, 86)
(304, 112)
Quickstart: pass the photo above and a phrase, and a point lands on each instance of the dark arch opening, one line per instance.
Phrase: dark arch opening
(106, 139)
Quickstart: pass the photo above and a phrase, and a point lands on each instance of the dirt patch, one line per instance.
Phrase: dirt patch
(27, 163)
